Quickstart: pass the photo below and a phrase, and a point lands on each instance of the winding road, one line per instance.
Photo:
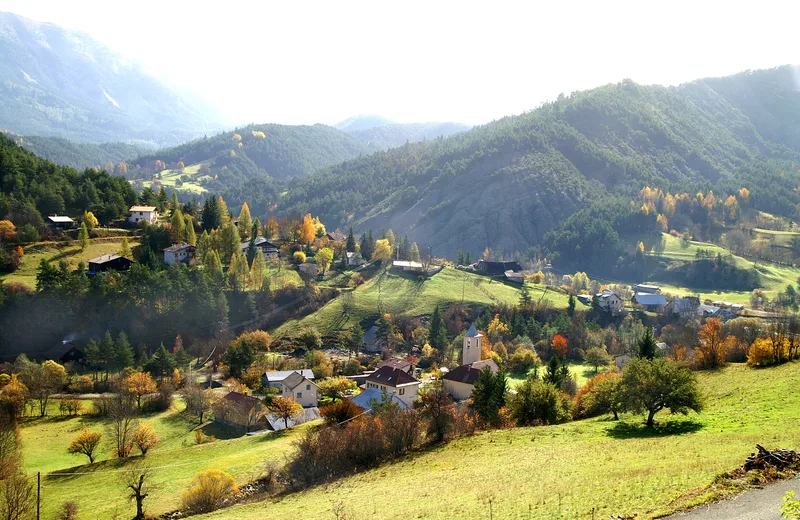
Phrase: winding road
(754, 504)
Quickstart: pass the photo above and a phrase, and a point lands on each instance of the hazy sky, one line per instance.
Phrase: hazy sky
(306, 61)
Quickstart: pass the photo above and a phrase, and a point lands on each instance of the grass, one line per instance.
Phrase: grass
(98, 489)
(168, 178)
(564, 471)
(405, 294)
(35, 253)
(580, 372)
(283, 277)
(774, 277)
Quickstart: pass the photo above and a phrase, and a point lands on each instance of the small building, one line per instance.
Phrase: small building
(724, 315)
(609, 301)
(365, 399)
(460, 381)
(706, 311)
(372, 343)
(182, 253)
(406, 265)
(65, 352)
(275, 378)
(142, 213)
(355, 259)
(300, 388)
(650, 302)
(496, 268)
(737, 307)
(105, 263)
(240, 411)
(585, 299)
(514, 277)
(60, 222)
(682, 307)
(336, 236)
(647, 289)
(394, 382)
(399, 364)
(276, 423)
(268, 248)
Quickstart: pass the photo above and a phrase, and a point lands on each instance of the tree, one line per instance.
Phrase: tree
(536, 402)
(230, 242)
(285, 408)
(560, 346)
(208, 491)
(571, 306)
(245, 222)
(191, 236)
(161, 202)
(414, 254)
(198, 400)
(139, 385)
(162, 364)
(324, 258)
(239, 357)
(337, 387)
(258, 270)
(145, 438)
(125, 249)
(367, 245)
(298, 258)
(436, 406)
(653, 385)
(85, 443)
(83, 237)
(224, 214)
(122, 417)
(173, 201)
(213, 267)
(90, 220)
(271, 228)
(489, 394)
(13, 396)
(525, 299)
(211, 216)
(597, 357)
(711, 349)
(383, 251)
(137, 481)
(69, 511)
(123, 352)
(8, 232)
(647, 345)
(43, 381)
(437, 333)
(177, 229)
(18, 499)
(600, 395)
(308, 231)
(350, 246)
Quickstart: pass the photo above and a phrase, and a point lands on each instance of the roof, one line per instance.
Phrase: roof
(280, 375)
(391, 376)
(684, 303)
(497, 267)
(463, 374)
(337, 236)
(364, 399)
(647, 288)
(294, 380)
(277, 423)
(260, 242)
(105, 258)
(241, 400)
(407, 263)
(649, 299)
(606, 294)
(142, 208)
(177, 247)
(706, 309)
(473, 332)
(60, 219)
(397, 363)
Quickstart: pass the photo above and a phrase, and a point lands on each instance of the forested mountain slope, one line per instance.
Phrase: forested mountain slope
(392, 135)
(505, 184)
(57, 82)
(80, 155)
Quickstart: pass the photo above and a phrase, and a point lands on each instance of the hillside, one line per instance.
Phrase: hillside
(63, 83)
(388, 136)
(563, 471)
(80, 155)
(505, 184)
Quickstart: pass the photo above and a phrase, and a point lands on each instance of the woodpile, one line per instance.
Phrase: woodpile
(778, 459)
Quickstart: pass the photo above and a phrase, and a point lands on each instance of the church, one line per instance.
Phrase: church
(460, 381)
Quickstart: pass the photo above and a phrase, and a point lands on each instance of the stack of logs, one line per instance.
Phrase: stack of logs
(779, 459)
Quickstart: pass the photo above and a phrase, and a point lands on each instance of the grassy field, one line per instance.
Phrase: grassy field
(774, 277)
(98, 488)
(168, 178)
(564, 471)
(405, 294)
(283, 277)
(72, 254)
(580, 372)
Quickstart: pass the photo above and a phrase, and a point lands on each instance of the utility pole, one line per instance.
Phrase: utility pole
(38, 494)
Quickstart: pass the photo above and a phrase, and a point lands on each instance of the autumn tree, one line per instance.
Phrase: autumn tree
(437, 407)
(324, 258)
(270, 230)
(308, 231)
(145, 438)
(258, 270)
(8, 231)
(85, 443)
(122, 417)
(83, 236)
(245, 222)
(711, 349)
(191, 236)
(560, 346)
(654, 385)
(177, 230)
(90, 220)
(198, 400)
(383, 251)
(43, 380)
(337, 387)
(285, 408)
(208, 491)
(125, 249)
(13, 396)
(231, 243)
(139, 385)
(224, 214)
(414, 254)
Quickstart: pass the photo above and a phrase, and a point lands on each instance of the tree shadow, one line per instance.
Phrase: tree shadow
(64, 254)
(623, 430)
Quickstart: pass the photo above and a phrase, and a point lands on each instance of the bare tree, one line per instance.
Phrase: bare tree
(137, 482)
(198, 400)
(17, 498)
(122, 413)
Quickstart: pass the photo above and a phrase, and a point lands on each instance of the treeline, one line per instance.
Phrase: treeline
(80, 156)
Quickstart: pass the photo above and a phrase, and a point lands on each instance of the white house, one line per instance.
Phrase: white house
(355, 259)
(609, 301)
(301, 389)
(460, 381)
(146, 213)
(395, 382)
(182, 253)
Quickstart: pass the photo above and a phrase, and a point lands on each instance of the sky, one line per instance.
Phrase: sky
(412, 61)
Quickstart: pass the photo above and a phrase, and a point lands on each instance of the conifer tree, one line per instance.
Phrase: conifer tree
(224, 214)
(123, 352)
(191, 236)
(437, 334)
(125, 249)
(83, 237)
(162, 201)
(177, 230)
(213, 268)
(414, 254)
(351, 242)
(173, 204)
(258, 270)
(245, 221)
(647, 345)
(203, 246)
(211, 216)
(230, 241)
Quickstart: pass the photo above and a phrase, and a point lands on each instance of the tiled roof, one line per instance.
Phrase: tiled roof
(280, 375)
(390, 377)
(177, 247)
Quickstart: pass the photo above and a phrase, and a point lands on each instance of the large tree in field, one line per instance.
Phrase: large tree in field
(308, 231)
(85, 443)
(651, 386)
(711, 350)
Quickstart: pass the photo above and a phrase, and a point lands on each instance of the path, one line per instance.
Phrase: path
(755, 504)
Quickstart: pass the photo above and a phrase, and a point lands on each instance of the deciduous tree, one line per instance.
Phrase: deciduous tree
(324, 258)
(139, 385)
(285, 408)
(85, 443)
(145, 438)
(83, 236)
(245, 222)
(711, 348)
(654, 385)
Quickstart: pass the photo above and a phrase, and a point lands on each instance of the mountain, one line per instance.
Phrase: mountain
(57, 82)
(80, 155)
(379, 133)
(505, 184)
(362, 122)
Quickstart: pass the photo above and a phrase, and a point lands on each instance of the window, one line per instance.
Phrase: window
(299, 395)
(308, 387)
(402, 391)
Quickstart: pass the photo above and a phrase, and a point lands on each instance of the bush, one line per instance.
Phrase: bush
(310, 338)
(522, 361)
(70, 407)
(339, 411)
(298, 257)
(598, 396)
(537, 402)
(162, 401)
(764, 353)
(208, 491)
(82, 385)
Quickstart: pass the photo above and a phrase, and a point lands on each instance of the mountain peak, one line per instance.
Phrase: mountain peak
(363, 122)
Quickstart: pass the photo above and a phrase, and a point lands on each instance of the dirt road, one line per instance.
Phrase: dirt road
(756, 504)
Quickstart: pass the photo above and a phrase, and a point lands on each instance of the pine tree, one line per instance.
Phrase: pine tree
(391, 238)
(213, 268)
(232, 281)
(94, 359)
(107, 352)
(460, 257)
(83, 237)
(437, 334)
(212, 219)
(203, 246)
(191, 237)
(177, 230)
(571, 306)
(468, 260)
(368, 246)
(647, 345)
(251, 246)
(524, 296)
(224, 214)
(161, 203)
(173, 204)
(125, 249)
(231, 243)
(351, 242)
(123, 352)
(258, 270)
(162, 364)
(405, 248)
(245, 221)
(414, 254)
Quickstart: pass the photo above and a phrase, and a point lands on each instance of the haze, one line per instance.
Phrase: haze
(308, 62)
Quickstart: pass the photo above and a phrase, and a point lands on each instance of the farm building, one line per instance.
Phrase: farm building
(105, 263)
(496, 268)
(182, 253)
(142, 213)
(268, 248)
(396, 382)
(650, 302)
(60, 222)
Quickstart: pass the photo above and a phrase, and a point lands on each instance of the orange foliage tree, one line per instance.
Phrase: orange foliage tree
(139, 385)
(560, 346)
(711, 350)
(308, 231)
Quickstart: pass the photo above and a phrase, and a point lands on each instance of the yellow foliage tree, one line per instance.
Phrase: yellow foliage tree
(90, 220)
(497, 328)
(139, 385)
(145, 438)
(308, 231)
(383, 251)
(85, 443)
(324, 258)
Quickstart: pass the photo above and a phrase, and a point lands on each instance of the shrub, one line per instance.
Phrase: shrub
(208, 491)
(70, 407)
(537, 402)
(598, 396)
(340, 411)
(523, 360)
(68, 511)
(763, 353)
(298, 257)
(202, 438)
(310, 338)
(82, 385)
(162, 401)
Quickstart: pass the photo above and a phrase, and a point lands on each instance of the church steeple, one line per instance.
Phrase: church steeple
(472, 346)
